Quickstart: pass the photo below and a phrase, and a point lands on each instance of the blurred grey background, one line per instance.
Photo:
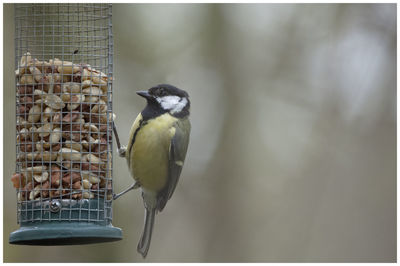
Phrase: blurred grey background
(293, 147)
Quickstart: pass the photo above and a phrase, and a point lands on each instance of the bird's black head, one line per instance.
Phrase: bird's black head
(167, 90)
(166, 98)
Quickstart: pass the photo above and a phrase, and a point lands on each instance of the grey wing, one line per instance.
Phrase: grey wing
(177, 153)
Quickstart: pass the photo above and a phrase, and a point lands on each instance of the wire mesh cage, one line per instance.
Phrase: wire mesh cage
(64, 118)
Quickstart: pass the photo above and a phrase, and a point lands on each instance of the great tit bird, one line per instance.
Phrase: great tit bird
(156, 151)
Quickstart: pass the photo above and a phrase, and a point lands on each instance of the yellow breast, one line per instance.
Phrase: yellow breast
(150, 152)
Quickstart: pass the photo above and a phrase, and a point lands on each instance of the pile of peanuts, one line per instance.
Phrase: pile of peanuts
(64, 131)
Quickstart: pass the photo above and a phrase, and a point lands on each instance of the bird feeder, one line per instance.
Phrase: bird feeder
(64, 119)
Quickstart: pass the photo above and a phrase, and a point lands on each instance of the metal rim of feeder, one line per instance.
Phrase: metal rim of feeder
(64, 69)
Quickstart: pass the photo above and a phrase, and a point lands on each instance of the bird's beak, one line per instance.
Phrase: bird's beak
(144, 94)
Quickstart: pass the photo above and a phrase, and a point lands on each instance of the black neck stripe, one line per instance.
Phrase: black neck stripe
(152, 110)
(141, 124)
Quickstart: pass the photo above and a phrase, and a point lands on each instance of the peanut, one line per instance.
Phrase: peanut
(71, 177)
(77, 196)
(34, 114)
(18, 180)
(62, 119)
(37, 74)
(86, 184)
(26, 79)
(39, 94)
(75, 101)
(88, 195)
(71, 87)
(55, 135)
(45, 130)
(55, 177)
(73, 145)
(25, 59)
(92, 91)
(55, 193)
(41, 178)
(71, 117)
(77, 185)
(27, 100)
(45, 189)
(54, 102)
(24, 89)
(101, 107)
(35, 192)
(24, 147)
(70, 154)
(30, 171)
(67, 68)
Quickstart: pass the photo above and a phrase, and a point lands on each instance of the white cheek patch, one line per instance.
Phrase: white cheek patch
(174, 104)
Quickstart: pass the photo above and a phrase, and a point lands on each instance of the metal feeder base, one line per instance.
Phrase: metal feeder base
(64, 233)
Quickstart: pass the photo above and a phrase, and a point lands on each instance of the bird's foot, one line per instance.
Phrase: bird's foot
(122, 151)
(133, 186)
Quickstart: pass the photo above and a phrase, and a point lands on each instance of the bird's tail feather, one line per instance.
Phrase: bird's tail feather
(144, 243)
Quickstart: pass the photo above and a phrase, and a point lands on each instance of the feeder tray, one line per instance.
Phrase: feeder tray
(48, 226)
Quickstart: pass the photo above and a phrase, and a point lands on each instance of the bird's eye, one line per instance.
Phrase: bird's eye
(162, 92)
